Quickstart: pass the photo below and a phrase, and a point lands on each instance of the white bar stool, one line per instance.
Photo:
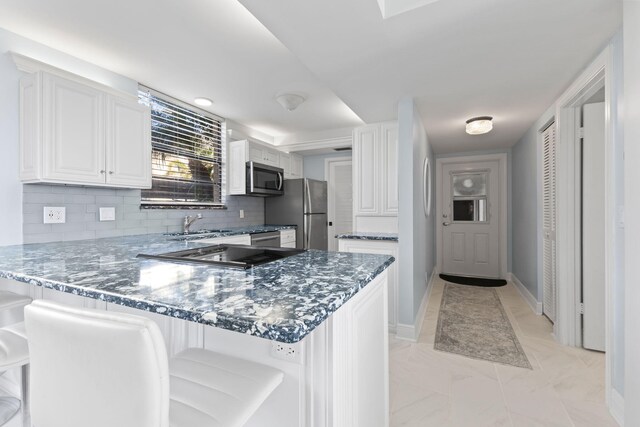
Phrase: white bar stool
(14, 351)
(102, 369)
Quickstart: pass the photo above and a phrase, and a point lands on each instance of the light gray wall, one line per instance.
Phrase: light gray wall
(82, 206)
(631, 16)
(617, 99)
(526, 218)
(314, 165)
(416, 233)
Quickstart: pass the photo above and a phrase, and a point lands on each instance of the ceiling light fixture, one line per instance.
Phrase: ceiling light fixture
(290, 101)
(203, 102)
(479, 125)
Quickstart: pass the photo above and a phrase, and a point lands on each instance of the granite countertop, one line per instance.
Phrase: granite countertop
(210, 234)
(282, 301)
(392, 237)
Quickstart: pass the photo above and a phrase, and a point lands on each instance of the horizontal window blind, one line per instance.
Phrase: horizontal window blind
(187, 153)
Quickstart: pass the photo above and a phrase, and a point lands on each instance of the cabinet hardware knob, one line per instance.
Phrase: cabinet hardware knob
(102, 171)
(110, 172)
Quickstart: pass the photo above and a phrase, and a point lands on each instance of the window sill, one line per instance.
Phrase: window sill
(182, 207)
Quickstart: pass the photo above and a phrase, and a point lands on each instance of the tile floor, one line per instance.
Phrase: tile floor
(431, 388)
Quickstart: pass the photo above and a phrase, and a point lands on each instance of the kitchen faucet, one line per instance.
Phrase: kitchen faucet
(188, 220)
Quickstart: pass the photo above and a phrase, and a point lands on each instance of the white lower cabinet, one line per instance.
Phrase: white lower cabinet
(74, 131)
(288, 238)
(379, 247)
(244, 239)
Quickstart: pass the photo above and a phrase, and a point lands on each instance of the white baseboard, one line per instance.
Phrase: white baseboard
(616, 407)
(412, 332)
(530, 299)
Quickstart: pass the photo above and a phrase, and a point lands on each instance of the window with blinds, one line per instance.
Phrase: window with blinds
(187, 153)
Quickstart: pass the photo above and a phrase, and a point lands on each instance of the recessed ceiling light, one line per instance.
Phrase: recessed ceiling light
(203, 102)
(479, 125)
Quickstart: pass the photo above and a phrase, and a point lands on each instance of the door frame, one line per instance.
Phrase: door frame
(502, 176)
(327, 165)
(568, 326)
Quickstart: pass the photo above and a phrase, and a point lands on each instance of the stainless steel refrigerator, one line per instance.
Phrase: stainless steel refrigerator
(304, 204)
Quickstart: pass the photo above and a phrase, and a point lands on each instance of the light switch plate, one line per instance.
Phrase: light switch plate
(241, 213)
(55, 215)
(107, 214)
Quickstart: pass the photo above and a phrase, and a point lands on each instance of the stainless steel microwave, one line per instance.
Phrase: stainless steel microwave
(264, 180)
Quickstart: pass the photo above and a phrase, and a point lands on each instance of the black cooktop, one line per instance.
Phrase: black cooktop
(237, 256)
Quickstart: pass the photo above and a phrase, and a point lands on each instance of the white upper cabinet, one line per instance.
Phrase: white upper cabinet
(128, 161)
(297, 170)
(389, 168)
(243, 151)
(375, 177)
(77, 132)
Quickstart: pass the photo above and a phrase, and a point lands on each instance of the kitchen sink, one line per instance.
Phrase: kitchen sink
(196, 232)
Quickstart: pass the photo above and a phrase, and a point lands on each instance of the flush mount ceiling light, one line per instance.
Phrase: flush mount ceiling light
(290, 101)
(479, 125)
(203, 102)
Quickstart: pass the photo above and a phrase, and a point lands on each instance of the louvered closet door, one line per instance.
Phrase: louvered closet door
(549, 221)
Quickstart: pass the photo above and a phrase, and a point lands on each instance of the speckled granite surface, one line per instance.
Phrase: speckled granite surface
(283, 300)
(393, 237)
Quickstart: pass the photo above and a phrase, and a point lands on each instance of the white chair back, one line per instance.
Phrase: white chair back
(95, 368)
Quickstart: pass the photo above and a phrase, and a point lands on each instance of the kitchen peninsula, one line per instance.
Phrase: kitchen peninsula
(320, 317)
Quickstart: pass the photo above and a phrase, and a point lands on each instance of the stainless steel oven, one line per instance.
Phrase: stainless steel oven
(264, 180)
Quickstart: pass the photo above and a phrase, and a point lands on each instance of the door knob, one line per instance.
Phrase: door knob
(446, 224)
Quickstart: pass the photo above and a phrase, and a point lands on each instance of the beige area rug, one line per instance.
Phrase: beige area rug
(473, 323)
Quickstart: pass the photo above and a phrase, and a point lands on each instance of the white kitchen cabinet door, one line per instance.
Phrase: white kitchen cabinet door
(288, 238)
(296, 166)
(255, 153)
(128, 143)
(244, 239)
(366, 172)
(384, 248)
(73, 131)
(285, 164)
(389, 168)
(271, 157)
(237, 168)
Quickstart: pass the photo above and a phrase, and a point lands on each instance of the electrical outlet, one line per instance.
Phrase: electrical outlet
(288, 352)
(55, 215)
(241, 213)
(107, 214)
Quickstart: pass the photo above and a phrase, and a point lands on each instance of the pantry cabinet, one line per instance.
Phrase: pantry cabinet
(375, 177)
(74, 131)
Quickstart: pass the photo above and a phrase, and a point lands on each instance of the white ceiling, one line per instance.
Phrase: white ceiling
(458, 58)
(188, 48)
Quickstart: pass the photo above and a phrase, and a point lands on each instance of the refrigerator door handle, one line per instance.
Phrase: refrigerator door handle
(307, 193)
(308, 232)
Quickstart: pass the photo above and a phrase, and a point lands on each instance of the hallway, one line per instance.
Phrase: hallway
(431, 388)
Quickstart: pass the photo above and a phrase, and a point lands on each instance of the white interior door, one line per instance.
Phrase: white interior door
(549, 222)
(340, 199)
(593, 226)
(471, 218)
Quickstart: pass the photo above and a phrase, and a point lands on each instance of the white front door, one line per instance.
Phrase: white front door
(470, 218)
(340, 199)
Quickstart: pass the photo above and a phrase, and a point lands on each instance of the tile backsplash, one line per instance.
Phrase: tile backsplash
(82, 219)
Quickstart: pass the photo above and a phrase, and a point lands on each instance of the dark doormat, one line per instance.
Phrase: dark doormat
(473, 281)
